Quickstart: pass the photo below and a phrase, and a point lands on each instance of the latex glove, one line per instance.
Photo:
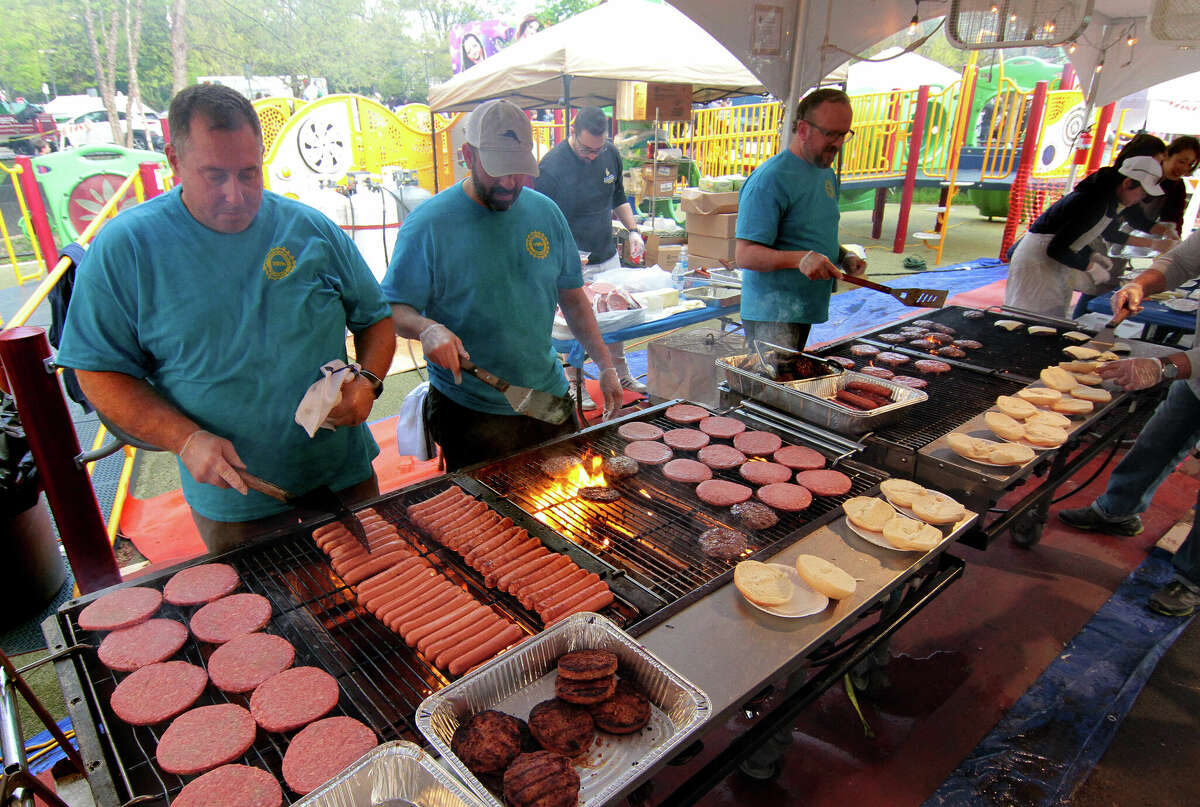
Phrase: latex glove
(1169, 232)
(444, 349)
(1099, 268)
(1132, 374)
(816, 266)
(358, 397)
(614, 393)
(637, 246)
(1128, 298)
(213, 461)
(854, 265)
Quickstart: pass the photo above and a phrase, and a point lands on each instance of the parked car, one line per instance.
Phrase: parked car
(24, 127)
(92, 128)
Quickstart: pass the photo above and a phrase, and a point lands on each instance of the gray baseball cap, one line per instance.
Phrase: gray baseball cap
(1145, 170)
(502, 135)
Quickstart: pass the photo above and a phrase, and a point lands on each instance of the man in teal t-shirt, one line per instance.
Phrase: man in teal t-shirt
(200, 318)
(477, 273)
(787, 227)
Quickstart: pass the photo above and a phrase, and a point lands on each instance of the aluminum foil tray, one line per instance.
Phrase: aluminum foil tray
(524, 676)
(393, 774)
(807, 399)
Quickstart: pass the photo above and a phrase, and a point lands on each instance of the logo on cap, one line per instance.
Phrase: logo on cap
(510, 133)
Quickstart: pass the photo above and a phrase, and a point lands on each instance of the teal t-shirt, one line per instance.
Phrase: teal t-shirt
(232, 329)
(491, 277)
(789, 204)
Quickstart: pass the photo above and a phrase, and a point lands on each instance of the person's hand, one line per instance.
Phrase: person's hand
(854, 265)
(444, 349)
(637, 246)
(816, 266)
(358, 396)
(213, 461)
(1132, 374)
(1099, 268)
(1128, 298)
(614, 393)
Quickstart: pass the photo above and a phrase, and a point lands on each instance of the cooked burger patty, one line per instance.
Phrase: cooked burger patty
(627, 711)
(487, 742)
(562, 727)
(587, 665)
(541, 779)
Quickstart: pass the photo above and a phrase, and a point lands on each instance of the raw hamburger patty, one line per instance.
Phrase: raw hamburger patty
(757, 472)
(686, 439)
(722, 427)
(754, 516)
(541, 779)
(758, 444)
(627, 711)
(122, 608)
(158, 692)
(220, 621)
(200, 584)
(615, 468)
(244, 662)
(648, 452)
(587, 665)
(638, 430)
(231, 786)
(719, 456)
(824, 482)
(911, 381)
(720, 493)
(293, 698)
(562, 727)
(152, 641)
(722, 542)
(799, 458)
(688, 471)
(686, 413)
(487, 742)
(323, 750)
(204, 738)
(878, 372)
(932, 366)
(559, 466)
(785, 496)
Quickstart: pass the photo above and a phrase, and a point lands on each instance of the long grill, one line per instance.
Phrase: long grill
(650, 533)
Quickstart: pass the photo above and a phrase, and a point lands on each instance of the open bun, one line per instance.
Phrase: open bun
(763, 583)
(1015, 407)
(1039, 396)
(868, 513)
(900, 491)
(823, 576)
(1006, 427)
(910, 534)
(1059, 379)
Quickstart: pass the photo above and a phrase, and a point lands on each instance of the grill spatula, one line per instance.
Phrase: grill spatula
(916, 298)
(318, 500)
(534, 403)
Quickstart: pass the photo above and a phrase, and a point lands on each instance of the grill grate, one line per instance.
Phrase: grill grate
(954, 398)
(650, 533)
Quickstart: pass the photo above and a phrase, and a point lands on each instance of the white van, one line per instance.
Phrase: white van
(92, 128)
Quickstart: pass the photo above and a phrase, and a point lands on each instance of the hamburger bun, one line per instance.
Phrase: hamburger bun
(1072, 406)
(1004, 426)
(763, 583)
(1050, 419)
(1058, 378)
(1015, 407)
(911, 535)
(1042, 435)
(1010, 454)
(1080, 352)
(937, 508)
(868, 513)
(1079, 366)
(900, 491)
(1093, 394)
(824, 577)
(1090, 379)
(1039, 396)
(973, 448)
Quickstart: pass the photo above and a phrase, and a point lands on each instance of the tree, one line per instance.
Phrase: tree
(102, 42)
(555, 11)
(133, 96)
(179, 45)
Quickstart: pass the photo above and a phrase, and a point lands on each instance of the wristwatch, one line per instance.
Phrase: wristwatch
(375, 380)
(1169, 371)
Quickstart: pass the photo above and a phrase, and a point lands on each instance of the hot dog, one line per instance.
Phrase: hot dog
(508, 581)
(855, 400)
(868, 387)
(485, 651)
(548, 594)
(553, 579)
(424, 636)
(593, 602)
(516, 561)
(487, 624)
(567, 592)
(471, 636)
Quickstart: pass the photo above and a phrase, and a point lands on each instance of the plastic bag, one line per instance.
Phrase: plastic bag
(635, 279)
(19, 481)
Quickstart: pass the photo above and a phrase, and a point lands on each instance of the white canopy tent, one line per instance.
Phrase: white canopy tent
(893, 69)
(586, 56)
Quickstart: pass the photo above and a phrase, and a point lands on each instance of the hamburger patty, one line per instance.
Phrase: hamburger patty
(487, 742)
(541, 779)
(627, 711)
(587, 665)
(585, 693)
(562, 727)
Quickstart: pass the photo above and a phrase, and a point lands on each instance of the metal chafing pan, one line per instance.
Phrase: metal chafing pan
(396, 773)
(524, 676)
(808, 399)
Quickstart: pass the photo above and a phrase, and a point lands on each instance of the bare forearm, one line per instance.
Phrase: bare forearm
(1152, 281)
(135, 407)
(624, 214)
(582, 322)
(760, 258)
(408, 321)
(374, 346)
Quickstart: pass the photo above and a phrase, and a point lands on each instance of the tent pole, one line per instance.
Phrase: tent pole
(566, 104)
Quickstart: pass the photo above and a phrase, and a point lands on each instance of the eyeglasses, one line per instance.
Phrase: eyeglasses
(590, 152)
(843, 136)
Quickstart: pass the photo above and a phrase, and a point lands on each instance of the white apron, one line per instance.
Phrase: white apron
(1037, 282)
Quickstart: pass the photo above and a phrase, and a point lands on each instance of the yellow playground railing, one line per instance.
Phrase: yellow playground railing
(13, 175)
(39, 295)
(729, 140)
(1006, 131)
(546, 134)
(879, 148)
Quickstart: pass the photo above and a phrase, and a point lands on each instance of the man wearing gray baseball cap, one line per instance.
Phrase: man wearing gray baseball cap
(477, 274)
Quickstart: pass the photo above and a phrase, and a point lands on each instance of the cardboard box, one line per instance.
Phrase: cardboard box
(696, 261)
(659, 249)
(697, 201)
(717, 225)
(715, 247)
(664, 170)
(638, 100)
(666, 257)
(660, 189)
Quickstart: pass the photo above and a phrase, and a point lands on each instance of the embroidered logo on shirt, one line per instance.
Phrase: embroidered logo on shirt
(279, 263)
(829, 188)
(609, 177)
(537, 244)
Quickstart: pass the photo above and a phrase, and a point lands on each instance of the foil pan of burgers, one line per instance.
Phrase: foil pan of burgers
(815, 400)
(524, 678)
(394, 774)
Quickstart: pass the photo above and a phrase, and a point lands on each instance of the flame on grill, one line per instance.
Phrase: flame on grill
(586, 474)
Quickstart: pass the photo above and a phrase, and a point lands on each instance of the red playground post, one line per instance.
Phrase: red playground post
(1016, 195)
(910, 172)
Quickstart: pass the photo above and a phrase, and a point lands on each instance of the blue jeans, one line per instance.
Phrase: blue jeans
(1170, 434)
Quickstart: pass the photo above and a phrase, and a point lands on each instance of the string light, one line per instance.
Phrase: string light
(1099, 67)
(1012, 17)
(1071, 48)
(1048, 27)
(915, 21)
(995, 9)
(1131, 41)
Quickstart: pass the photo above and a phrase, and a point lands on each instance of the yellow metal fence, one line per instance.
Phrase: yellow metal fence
(729, 140)
(13, 175)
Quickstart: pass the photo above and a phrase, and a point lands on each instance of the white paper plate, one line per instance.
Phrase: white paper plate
(877, 537)
(804, 602)
(1182, 304)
